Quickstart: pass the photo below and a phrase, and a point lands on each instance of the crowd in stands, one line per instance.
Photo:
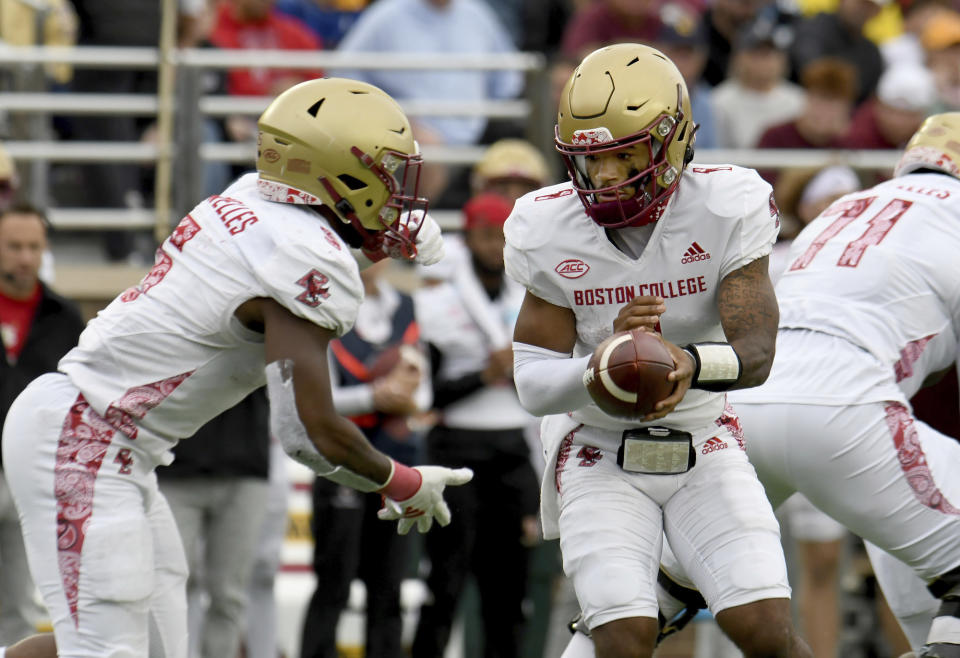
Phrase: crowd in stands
(807, 74)
(842, 74)
(761, 73)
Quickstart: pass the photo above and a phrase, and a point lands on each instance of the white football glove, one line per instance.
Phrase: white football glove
(429, 242)
(426, 249)
(427, 503)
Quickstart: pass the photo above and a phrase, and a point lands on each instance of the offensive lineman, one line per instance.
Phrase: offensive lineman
(262, 274)
(658, 237)
(870, 310)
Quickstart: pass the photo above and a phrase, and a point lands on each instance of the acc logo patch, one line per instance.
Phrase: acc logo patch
(316, 288)
(572, 268)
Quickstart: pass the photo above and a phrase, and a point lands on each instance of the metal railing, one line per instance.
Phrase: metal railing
(191, 106)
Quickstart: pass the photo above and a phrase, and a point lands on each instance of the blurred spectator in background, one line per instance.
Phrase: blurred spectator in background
(9, 195)
(516, 15)
(254, 25)
(603, 22)
(683, 38)
(904, 98)
(114, 185)
(467, 322)
(840, 34)
(510, 168)
(830, 87)
(37, 23)
(545, 24)
(757, 95)
(906, 47)
(725, 20)
(37, 327)
(329, 20)
(9, 181)
(802, 194)
(380, 381)
(260, 636)
(40, 23)
(217, 490)
(941, 43)
(438, 28)
(194, 22)
(820, 543)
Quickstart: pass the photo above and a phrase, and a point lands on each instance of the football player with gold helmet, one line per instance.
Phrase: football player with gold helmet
(641, 237)
(247, 291)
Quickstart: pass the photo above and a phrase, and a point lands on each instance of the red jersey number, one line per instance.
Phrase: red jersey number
(848, 211)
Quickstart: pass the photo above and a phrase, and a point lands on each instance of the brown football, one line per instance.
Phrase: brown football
(627, 374)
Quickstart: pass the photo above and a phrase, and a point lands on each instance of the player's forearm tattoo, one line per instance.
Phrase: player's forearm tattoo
(749, 314)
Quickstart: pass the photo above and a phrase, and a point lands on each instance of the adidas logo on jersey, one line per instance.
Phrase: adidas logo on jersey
(712, 445)
(695, 253)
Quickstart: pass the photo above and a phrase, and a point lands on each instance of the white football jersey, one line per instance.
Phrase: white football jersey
(168, 355)
(879, 269)
(721, 218)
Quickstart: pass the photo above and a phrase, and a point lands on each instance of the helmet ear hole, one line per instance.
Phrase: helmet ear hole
(352, 182)
(368, 203)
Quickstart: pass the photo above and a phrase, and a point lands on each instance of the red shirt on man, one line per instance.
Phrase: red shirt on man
(16, 316)
(864, 131)
(272, 31)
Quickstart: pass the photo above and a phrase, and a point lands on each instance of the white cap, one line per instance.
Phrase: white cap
(830, 182)
(907, 87)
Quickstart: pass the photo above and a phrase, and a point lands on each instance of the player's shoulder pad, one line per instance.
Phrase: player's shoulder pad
(287, 227)
(534, 217)
(726, 190)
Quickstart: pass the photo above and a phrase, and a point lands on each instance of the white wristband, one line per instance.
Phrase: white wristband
(717, 366)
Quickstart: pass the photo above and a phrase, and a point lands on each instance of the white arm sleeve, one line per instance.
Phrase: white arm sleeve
(549, 382)
(286, 426)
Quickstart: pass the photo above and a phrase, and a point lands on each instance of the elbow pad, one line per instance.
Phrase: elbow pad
(286, 426)
(548, 382)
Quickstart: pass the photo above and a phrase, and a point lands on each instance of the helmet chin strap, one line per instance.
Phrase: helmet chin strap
(399, 240)
(346, 211)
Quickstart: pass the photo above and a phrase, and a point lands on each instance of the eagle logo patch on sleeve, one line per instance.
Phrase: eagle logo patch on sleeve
(316, 288)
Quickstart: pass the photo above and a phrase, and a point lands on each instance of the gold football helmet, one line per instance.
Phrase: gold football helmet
(936, 145)
(510, 158)
(624, 95)
(346, 145)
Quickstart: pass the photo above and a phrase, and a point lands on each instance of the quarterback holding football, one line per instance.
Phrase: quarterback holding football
(641, 237)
